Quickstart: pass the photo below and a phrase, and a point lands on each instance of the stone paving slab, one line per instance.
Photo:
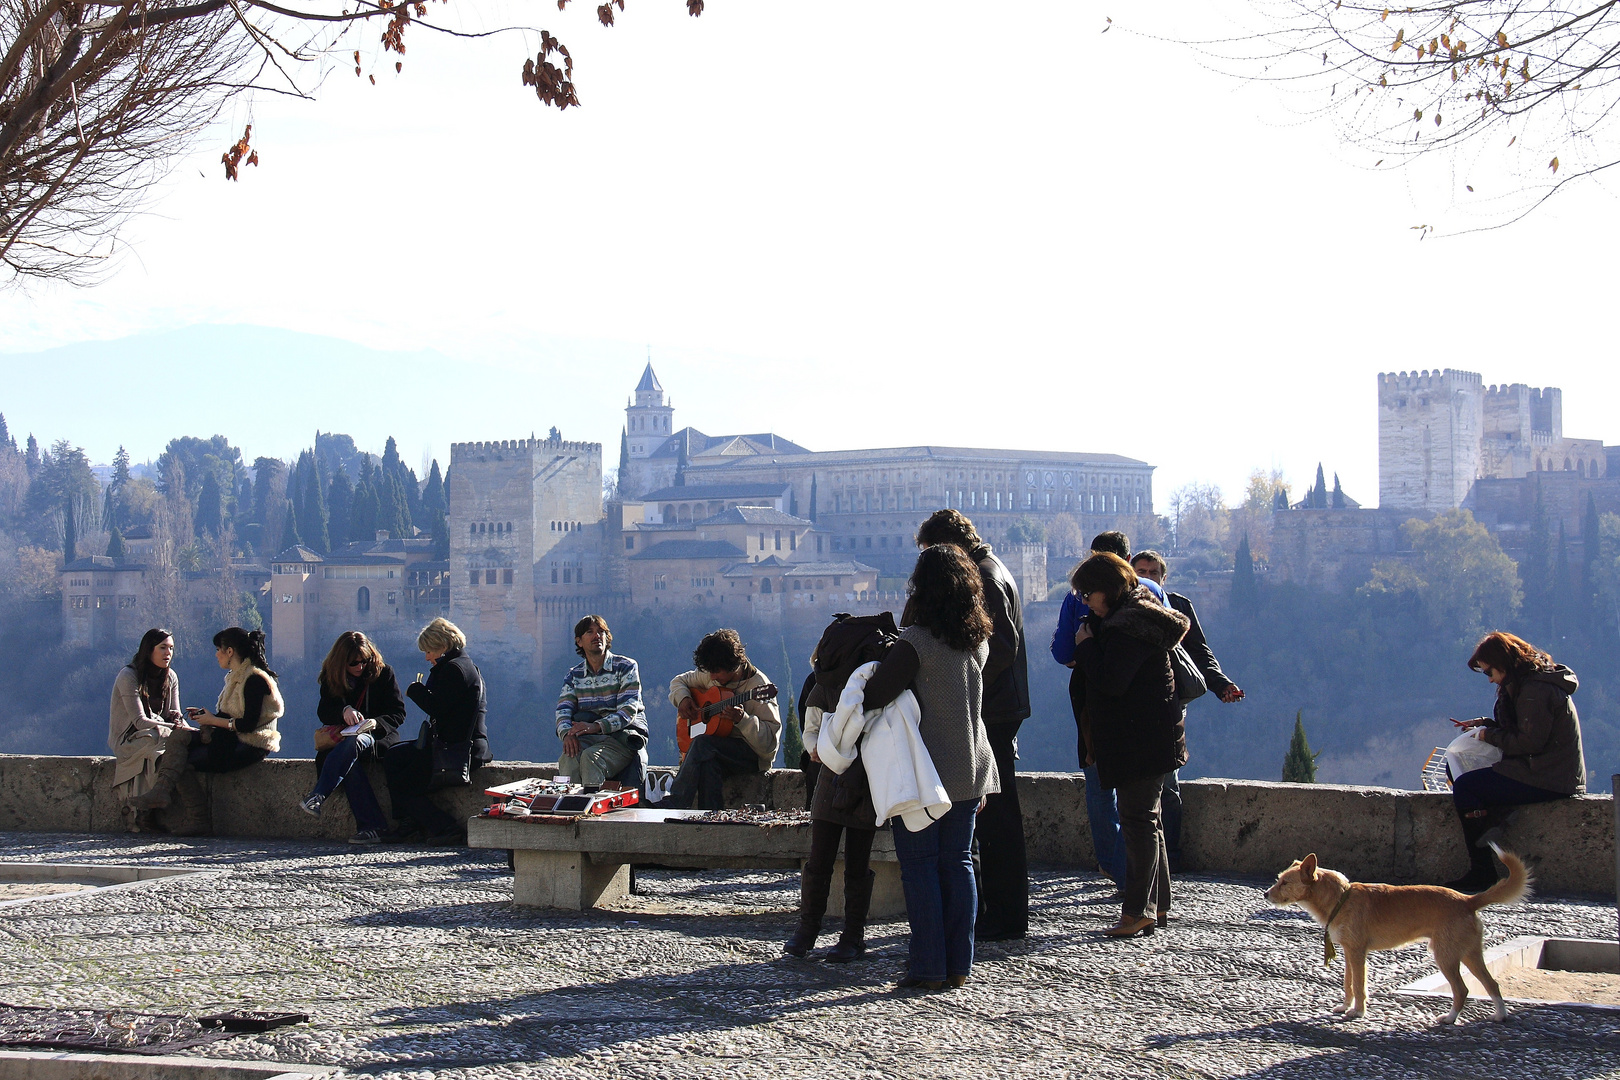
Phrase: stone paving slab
(413, 962)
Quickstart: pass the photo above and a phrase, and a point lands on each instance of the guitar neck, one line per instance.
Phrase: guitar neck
(724, 704)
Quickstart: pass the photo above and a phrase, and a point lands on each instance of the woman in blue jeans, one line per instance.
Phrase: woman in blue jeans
(940, 658)
(360, 709)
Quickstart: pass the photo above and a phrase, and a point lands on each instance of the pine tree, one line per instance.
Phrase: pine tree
(210, 515)
(433, 496)
(339, 506)
(70, 532)
(1299, 766)
(31, 457)
(120, 475)
(115, 545)
(1245, 589)
(6, 441)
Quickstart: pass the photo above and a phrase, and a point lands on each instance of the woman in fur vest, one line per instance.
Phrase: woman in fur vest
(1133, 722)
(1536, 728)
(239, 732)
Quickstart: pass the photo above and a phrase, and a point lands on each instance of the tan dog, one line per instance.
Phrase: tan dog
(1364, 918)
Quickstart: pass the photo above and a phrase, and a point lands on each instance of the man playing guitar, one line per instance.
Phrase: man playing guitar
(729, 741)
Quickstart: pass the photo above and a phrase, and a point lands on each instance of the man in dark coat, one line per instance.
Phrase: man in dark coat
(1003, 866)
(1153, 567)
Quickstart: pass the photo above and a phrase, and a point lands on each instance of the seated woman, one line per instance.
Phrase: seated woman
(145, 708)
(1536, 728)
(239, 732)
(361, 709)
(453, 698)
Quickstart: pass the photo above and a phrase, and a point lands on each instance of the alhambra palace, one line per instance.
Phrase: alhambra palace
(758, 529)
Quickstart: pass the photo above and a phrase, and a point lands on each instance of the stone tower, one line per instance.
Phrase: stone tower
(650, 419)
(511, 502)
(1430, 427)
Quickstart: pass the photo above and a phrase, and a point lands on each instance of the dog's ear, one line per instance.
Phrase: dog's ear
(1307, 867)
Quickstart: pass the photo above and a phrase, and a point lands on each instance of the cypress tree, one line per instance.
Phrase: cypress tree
(624, 461)
(433, 496)
(115, 545)
(339, 506)
(1299, 766)
(812, 496)
(210, 511)
(312, 523)
(1319, 494)
(1245, 589)
(393, 512)
(440, 528)
(1338, 493)
(363, 510)
(70, 531)
(1591, 546)
(289, 531)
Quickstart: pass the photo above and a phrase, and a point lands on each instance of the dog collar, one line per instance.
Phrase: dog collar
(1328, 951)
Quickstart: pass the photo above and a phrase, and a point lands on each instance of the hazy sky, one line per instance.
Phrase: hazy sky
(856, 224)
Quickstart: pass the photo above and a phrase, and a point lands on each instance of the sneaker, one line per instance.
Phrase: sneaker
(311, 804)
(367, 836)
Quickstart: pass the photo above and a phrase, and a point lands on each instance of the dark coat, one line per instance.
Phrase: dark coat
(1006, 673)
(1538, 732)
(1198, 648)
(379, 700)
(841, 798)
(1127, 690)
(453, 698)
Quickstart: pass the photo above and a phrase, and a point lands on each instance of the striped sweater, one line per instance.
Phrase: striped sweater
(610, 697)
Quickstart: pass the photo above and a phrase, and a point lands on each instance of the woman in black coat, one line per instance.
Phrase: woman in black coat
(1128, 690)
(360, 711)
(453, 698)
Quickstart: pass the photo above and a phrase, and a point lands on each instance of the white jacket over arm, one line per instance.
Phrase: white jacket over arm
(899, 770)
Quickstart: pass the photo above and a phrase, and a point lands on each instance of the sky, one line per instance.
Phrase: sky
(855, 224)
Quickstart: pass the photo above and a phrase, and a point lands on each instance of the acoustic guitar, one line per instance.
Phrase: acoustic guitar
(712, 701)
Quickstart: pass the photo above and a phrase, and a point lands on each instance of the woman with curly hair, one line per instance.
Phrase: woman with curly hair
(1536, 728)
(940, 658)
(1125, 692)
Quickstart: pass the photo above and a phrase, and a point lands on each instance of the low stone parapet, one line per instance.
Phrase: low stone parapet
(1229, 826)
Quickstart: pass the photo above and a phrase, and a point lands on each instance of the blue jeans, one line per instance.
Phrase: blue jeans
(936, 869)
(1103, 815)
(339, 769)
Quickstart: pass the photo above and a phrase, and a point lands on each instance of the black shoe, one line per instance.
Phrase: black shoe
(453, 838)
(911, 982)
(1002, 934)
(404, 833)
(843, 952)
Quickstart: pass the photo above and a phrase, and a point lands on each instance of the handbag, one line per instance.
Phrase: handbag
(449, 763)
(1190, 685)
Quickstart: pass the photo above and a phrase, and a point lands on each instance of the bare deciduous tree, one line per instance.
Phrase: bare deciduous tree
(1534, 83)
(99, 97)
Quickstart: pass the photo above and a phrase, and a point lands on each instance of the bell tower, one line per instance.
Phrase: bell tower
(650, 419)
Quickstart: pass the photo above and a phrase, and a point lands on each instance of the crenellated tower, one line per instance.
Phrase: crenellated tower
(1430, 428)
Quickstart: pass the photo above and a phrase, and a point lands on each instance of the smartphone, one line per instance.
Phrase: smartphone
(193, 711)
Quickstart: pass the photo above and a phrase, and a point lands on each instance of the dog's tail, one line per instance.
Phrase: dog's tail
(1511, 889)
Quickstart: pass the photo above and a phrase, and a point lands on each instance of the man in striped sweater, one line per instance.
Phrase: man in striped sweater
(600, 718)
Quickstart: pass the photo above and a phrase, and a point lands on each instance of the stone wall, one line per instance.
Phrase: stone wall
(1231, 826)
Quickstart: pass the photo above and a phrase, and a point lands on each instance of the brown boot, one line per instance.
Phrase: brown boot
(171, 766)
(189, 815)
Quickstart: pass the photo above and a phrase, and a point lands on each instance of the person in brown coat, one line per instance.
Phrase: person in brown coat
(1536, 728)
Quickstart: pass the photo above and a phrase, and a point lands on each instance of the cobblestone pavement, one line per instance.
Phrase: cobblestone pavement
(413, 963)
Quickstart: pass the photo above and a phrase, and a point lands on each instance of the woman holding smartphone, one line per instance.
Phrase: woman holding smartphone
(361, 709)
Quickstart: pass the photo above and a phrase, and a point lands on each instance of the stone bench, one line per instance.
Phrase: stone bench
(583, 864)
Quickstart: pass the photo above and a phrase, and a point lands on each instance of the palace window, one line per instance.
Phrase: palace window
(554, 575)
(489, 577)
(506, 577)
(362, 599)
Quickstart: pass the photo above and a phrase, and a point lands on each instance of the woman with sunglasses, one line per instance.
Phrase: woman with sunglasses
(360, 709)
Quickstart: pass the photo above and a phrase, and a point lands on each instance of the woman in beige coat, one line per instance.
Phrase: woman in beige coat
(145, 708)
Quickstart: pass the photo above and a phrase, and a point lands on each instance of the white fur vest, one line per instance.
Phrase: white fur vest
(232, 703)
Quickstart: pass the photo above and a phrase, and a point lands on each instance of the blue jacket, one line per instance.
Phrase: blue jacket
(1073, 613)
